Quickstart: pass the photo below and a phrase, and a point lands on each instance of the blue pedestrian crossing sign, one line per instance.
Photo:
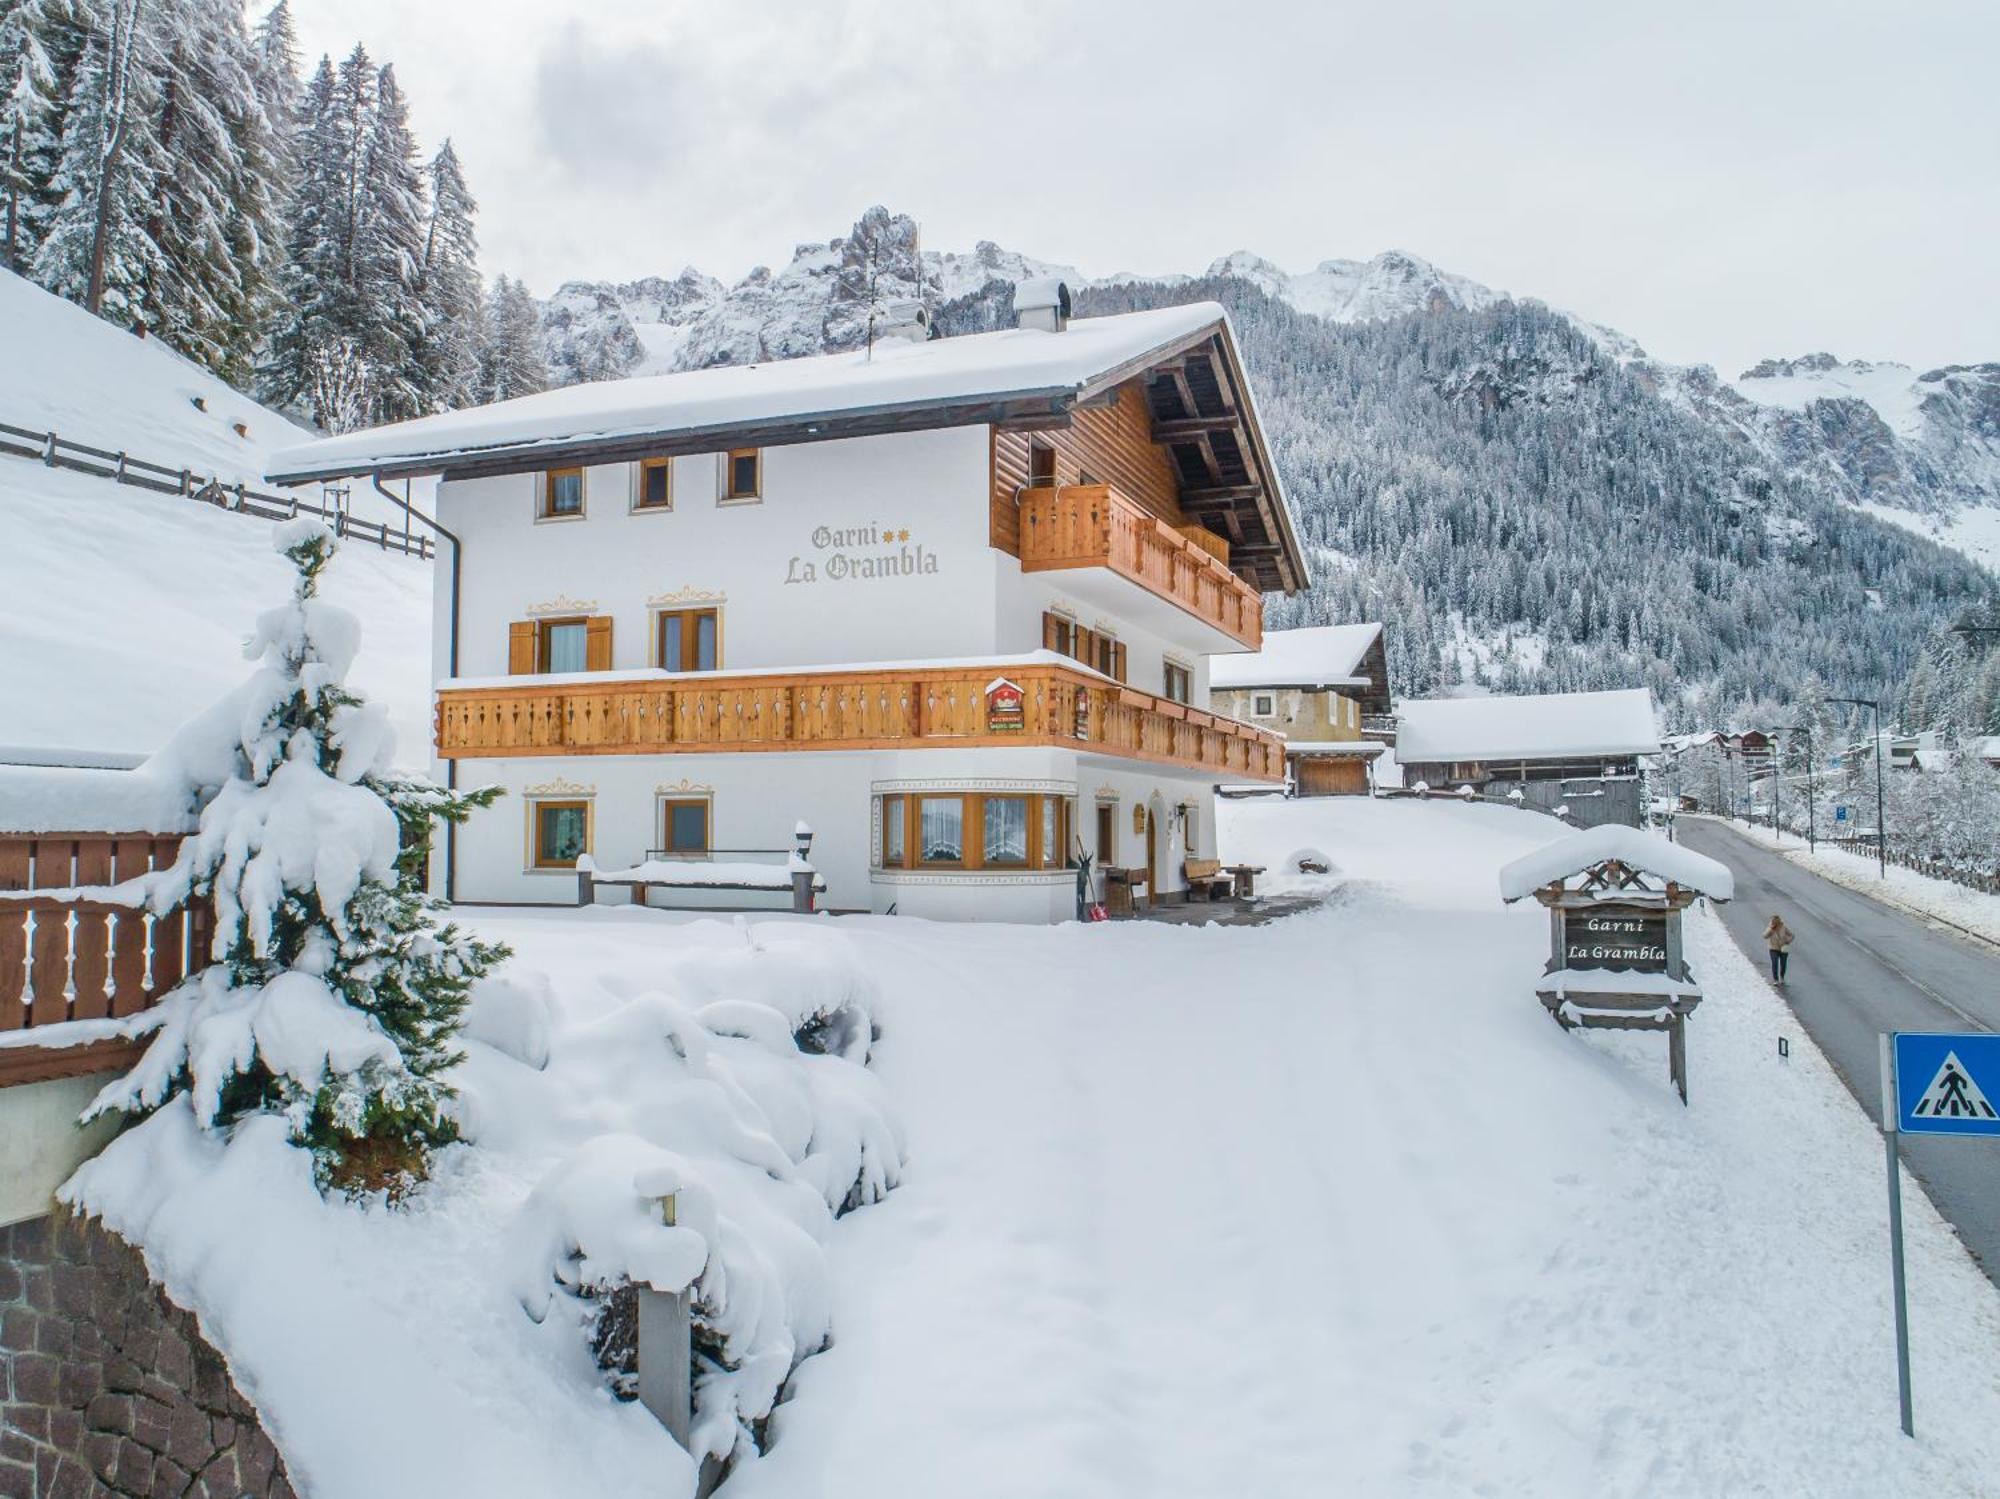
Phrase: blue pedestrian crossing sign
(1947, 1084)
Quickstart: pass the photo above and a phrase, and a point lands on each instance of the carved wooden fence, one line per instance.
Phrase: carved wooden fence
(63, 958)
(123, 468)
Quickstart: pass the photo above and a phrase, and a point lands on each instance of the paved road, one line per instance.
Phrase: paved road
(1860, 968)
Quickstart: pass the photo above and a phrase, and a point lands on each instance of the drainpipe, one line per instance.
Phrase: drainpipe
(451, 668)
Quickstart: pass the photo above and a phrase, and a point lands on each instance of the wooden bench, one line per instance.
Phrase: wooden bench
(1206, 881)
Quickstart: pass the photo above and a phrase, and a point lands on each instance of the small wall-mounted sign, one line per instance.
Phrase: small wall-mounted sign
(1138, 817)
(1004, 713)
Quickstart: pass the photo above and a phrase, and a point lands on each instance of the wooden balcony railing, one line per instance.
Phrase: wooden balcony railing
(848, 710)
(63, 959)
(1093, 525)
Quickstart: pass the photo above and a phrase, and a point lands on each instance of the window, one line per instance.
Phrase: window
(1109, 656)
(1107, 834)
(689, 640)
(895, 810)
(940, 830)
(564, 644)
(577, 643)
(1041, 465)
(1180, 683)
(1006, 831)
(743, 474)
(684, 825)
(562, 494)
(561, 831)
(972, 830)
(1263, 705)
(653, 488)
(1055, 831)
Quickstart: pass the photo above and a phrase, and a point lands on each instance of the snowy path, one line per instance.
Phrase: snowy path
(1330, 1206)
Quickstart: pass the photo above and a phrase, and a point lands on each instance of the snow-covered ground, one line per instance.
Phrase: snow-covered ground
(1331, 1205)
(1917, 893)
(1186, 1212)
(122, 610)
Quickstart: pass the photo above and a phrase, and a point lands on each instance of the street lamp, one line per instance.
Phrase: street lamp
(1812, 801)
(1881, 808)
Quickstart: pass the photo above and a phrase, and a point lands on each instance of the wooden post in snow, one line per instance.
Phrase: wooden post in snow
(666, 1350)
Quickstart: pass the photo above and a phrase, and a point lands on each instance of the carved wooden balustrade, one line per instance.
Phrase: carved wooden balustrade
(64, 959)
(1093, 525)
(847, 710)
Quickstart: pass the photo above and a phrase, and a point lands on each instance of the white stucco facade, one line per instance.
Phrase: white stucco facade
(856, 551)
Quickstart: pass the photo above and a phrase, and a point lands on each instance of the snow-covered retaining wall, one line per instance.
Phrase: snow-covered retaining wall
(111, 1387)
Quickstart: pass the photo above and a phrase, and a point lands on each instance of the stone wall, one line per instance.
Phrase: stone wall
(107, 1387)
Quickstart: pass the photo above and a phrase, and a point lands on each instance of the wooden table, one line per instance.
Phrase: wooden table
(1245, 876)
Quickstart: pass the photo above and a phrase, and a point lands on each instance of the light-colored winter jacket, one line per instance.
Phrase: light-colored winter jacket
(1778, 936)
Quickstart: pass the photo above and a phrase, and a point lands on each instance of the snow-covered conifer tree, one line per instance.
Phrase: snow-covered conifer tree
(335, 992)
(513, 364)
(27, 125)
(387, 269)
(454, 314)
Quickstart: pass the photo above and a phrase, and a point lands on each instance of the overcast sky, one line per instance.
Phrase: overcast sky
(1722, 182)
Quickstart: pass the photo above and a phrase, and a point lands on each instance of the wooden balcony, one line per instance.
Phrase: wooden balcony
(848, 710)
(1093, 525)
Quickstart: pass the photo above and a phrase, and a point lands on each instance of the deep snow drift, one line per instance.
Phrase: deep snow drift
(1331, 1207)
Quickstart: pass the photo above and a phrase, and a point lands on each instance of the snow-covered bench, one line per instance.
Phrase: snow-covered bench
(794, 874)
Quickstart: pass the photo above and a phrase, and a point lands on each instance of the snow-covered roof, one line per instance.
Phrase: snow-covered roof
(1527, 728)
(1648, 852)
(973, 368)
(1316, 656)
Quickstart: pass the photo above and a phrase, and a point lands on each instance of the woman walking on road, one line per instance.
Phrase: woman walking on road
(1778, 937)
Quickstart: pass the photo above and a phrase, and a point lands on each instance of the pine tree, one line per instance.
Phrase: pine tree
(387, 263)
(513, 363)
(97, 252)
(453, 305)
(27, 125)
(335, 994)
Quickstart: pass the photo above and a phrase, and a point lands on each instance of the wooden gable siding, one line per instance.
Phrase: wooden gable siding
(1112, 443)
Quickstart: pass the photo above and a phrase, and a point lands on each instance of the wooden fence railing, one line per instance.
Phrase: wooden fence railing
(123, 468)
(64, 959)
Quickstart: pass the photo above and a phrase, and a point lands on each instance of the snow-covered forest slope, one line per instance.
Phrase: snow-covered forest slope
(125, 608)
(1534, 502)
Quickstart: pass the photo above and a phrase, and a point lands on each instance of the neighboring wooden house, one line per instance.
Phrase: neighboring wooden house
(1315, 686)
(1574, 750)
(951, 602)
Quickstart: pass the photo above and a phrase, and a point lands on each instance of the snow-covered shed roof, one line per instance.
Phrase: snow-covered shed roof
(1011, 375)
(1648, 852)
(1527, 728)
(1315, 656)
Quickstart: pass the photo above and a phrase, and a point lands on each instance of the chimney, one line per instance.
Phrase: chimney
(1042, 303)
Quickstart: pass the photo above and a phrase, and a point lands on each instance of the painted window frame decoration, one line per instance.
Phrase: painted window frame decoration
(545, 494)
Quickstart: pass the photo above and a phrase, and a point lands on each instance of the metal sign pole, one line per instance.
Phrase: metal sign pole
(1890, 1108)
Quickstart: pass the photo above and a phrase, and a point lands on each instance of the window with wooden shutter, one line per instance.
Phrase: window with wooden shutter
(688, 640)
(521, 648)
(597, 646)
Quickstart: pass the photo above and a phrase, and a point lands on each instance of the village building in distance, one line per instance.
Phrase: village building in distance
(1579, 750)
(951, 603)
(1322, 687)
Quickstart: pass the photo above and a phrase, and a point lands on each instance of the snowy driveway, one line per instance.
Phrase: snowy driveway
(1330, 1206)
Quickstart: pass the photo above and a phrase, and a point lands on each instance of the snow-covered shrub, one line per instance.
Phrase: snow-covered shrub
(762, 1142)
(335, 992)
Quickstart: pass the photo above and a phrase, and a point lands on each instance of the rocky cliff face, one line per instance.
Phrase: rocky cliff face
(1871, 434)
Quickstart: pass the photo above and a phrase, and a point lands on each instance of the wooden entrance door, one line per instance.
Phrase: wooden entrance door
(1152, 859)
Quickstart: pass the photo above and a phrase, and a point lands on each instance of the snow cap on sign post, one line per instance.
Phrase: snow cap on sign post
(1647, 852)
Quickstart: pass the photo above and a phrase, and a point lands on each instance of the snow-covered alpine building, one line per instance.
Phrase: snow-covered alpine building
(949, 602)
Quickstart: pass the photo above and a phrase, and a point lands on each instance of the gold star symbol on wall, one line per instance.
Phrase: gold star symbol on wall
(903, 535)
